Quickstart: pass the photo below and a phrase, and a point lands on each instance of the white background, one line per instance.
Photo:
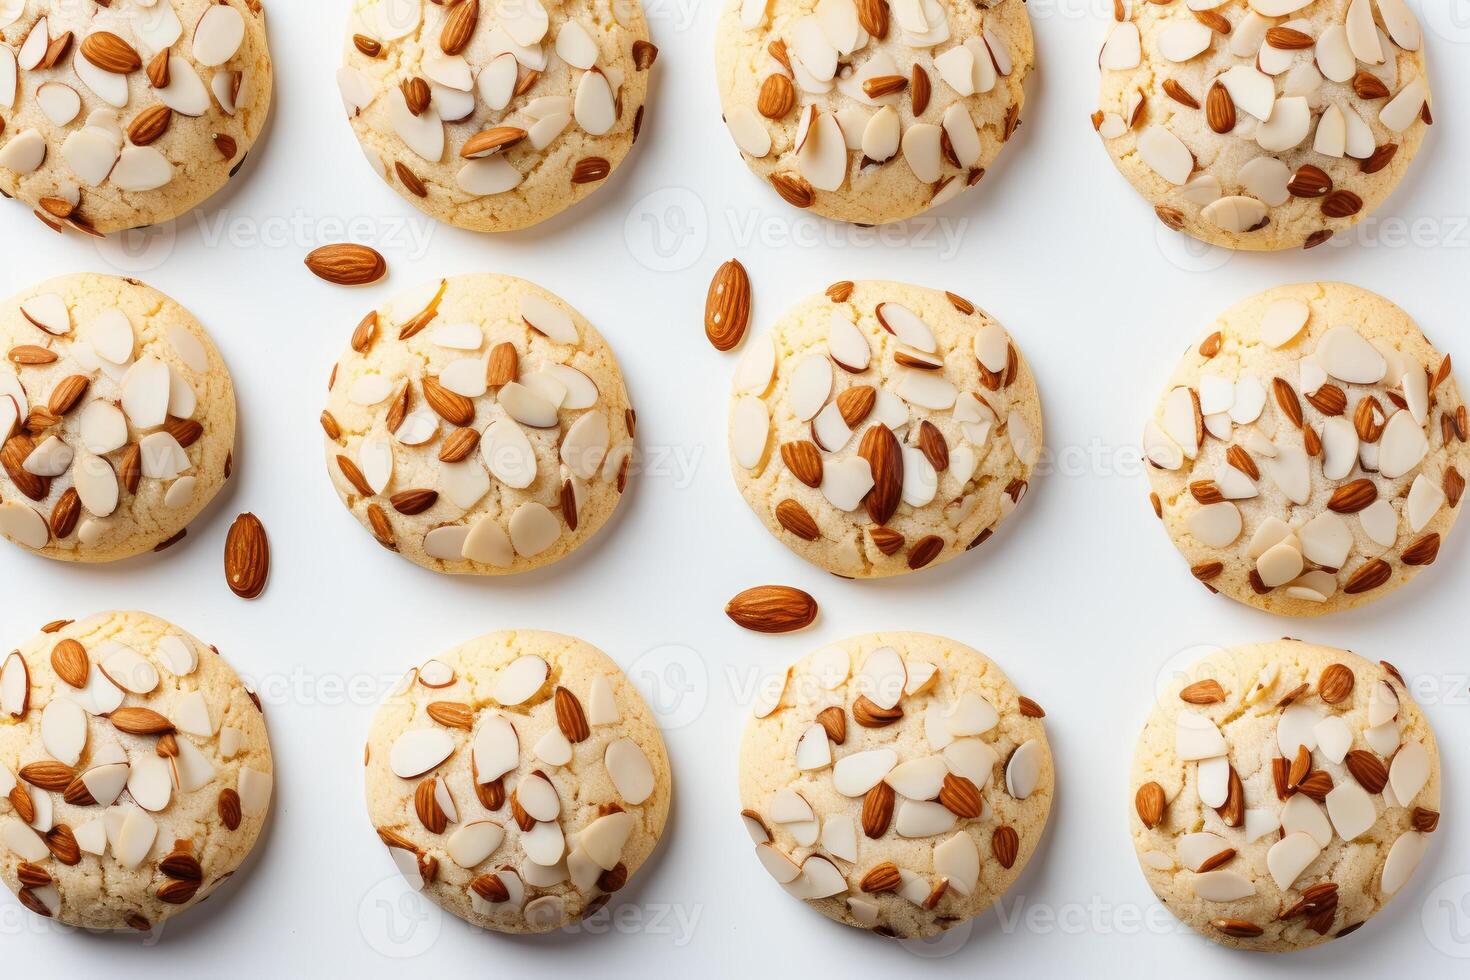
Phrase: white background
(1081, 598)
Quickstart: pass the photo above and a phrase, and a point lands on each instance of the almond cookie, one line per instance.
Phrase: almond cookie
(1263, 124)
(518, 780)
(895, 782)
(135, 771)
(479, 425)
(494, 115)
(880, 428)
(870, 111)
(1309, 455)
(1283, 793)
(123, 114)
(117, 416)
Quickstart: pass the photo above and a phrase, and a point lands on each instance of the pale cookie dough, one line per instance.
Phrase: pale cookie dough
(1263, 124)
(494, 115)
(119, 115)
(117, 416)
(479, 425)
(880, 428)
(1283, 794)
(135, 771)
(895, 782)
(1309, 455)
(518, 780)
(867, 110)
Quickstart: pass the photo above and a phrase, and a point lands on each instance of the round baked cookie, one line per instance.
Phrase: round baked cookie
(135, 771)
(479, 425)
(1283, 793)
(1263, 124)
(118, 418)
(119, 115)
(494, 115)
(895, 782)
(879, 428)
(868, 111)
(1309, 455)
(518, 780)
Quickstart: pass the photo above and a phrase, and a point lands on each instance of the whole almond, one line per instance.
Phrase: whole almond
(416, 94)
(413, 501)
(1368, 418)
(382, 527)
(797, 519)
(1329, 400)
(961, 797)
(1150, 803)
(450, 406)
(66, 513)
(503, 365)
(69, 660)
(1233, 811)
(1336, 683)
(933, 446)
(881, 878)
(22, 804)
(426, 805)
(840, 292)
(452, 714)
(140, 721)
(1175, 91)
(1424, 820)
(490, 888)
(873, 17)
(1316, 784)
(1309, 181)
(1237, 457)
(130, 470)
(1352, 497)
(347, 264)
(1219, 109)
(1367, 769)
(1379, 158)
(613, 879)
(856, 403)
(1286, 398)
(493, 140)
(1300, 766)
(877, 86)
(32, 875)
(645, 53)
(459, 26)
(1368, 86)
(229, 808)
(458, 445)
(727, 306)
(795, 189)
(772, 609)
(804, 461)
(924, 551)
(247, 557)
(181, 865)
(877, 810)
(867, 713)
(158, 74)
(1422, 551)
(1341, 204)
(370, 47)
(177, 892)
(110, 53)
(148, 125)
(881, 450)
(13, 456)
(777, 96)
(1005, 844)
(569, 716)
(1203, 692)
(67, 393)
(1288, 38)
(1237, 928)
(185, 431)
(62, 844)
(589, 170)
(919, 90)
(886, 539)
(29, 355)
(834, 721)
(48, 774)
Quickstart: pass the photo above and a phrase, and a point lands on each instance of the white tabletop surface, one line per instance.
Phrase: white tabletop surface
(1081, 597)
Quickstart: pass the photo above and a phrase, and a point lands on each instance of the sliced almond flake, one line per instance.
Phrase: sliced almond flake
(594, 108)
(1223, 886)
(1197, 737)
(602, 705)
(178, 655)
(1123, 49)
(778, 865)
(446, 543)
(810, 386)
(463, 485)
(921, 151)
(750, 425)
(519, 681)
(488, 544)
(629, 770)
(553, 748)
(64, 730)
(757, 366)
(1402, 446)
(830, 430)
(492, 175)
(508, 453)
(1195, 849)
(472, 843)
(1023, 771)
(1289, 857)
(419, 751)
(855, 774)
(1295, 729)
(1352, 810)
(375, 460)
(958, 860)
(813, 750)
(1409, 772)
(150, 783)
